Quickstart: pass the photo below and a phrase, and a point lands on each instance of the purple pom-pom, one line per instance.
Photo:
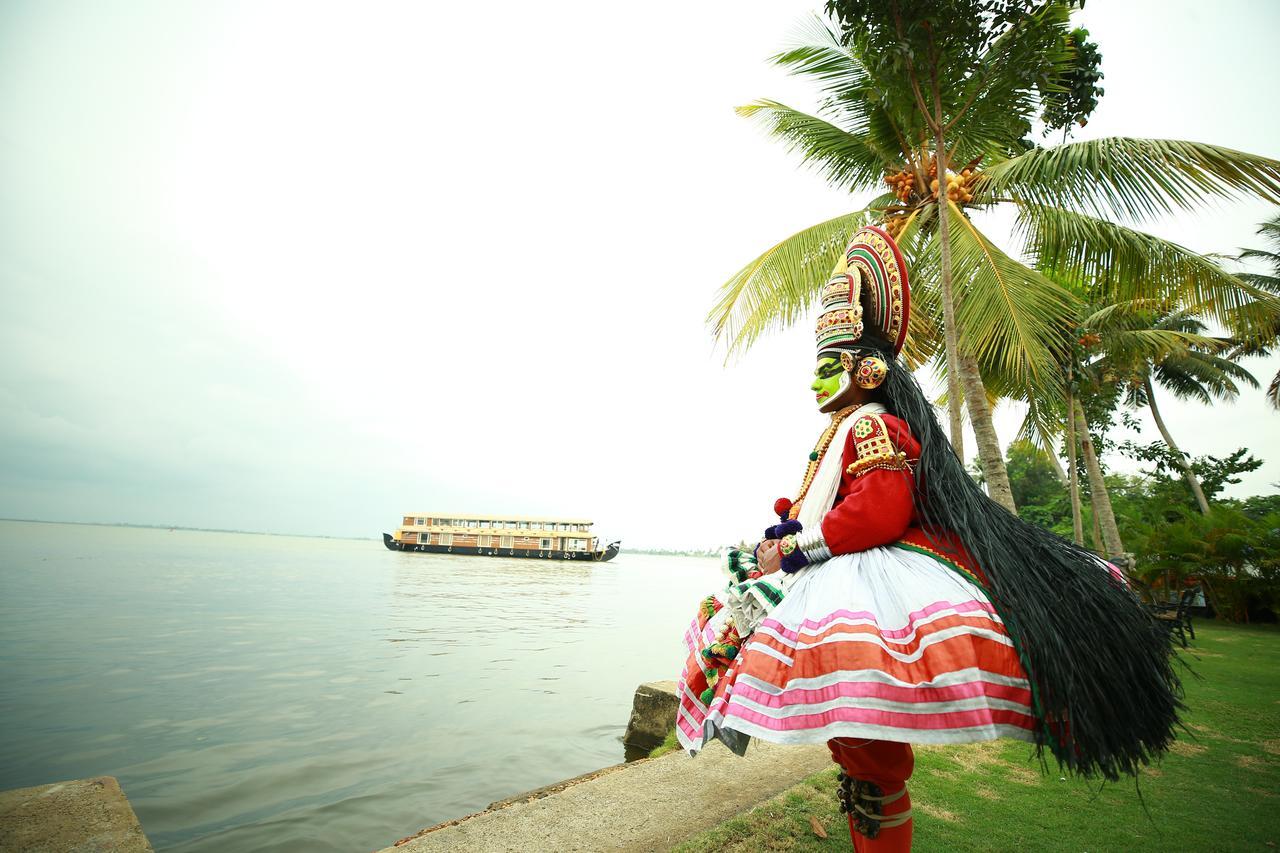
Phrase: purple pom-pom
(787, 528)
(794, 562)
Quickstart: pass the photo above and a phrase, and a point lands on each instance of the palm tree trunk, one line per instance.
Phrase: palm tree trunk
(1168, 439)
(951, 335)
(1211, 596)
(955, 417)
(1098, 497)
(984, 431)
(1077, 522)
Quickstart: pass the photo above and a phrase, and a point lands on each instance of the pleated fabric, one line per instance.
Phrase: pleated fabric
(888, 644)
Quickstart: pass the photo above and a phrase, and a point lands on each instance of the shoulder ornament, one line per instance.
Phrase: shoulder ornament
(874, 449)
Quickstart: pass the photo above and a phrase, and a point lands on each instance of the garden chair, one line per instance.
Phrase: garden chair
(1177, 617)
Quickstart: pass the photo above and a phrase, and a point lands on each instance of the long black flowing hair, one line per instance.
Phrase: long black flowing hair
(1101, 668)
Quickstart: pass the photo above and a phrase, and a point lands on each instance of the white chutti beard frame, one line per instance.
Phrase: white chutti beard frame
(831, 404)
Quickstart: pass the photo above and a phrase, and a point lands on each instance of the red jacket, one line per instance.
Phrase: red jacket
(875, 503)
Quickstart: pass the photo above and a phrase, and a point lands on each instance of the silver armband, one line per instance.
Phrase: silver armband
(813, 545)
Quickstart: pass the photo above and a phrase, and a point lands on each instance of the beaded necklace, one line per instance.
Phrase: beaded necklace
(815, 458)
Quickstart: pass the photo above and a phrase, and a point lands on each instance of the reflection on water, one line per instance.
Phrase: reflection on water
(278, 693)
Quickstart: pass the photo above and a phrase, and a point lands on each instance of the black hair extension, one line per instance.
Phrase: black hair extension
(1101, 668)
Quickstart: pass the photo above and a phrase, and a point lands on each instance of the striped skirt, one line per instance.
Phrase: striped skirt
(889, 644)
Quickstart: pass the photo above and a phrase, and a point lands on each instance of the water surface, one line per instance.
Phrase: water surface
(284, 693)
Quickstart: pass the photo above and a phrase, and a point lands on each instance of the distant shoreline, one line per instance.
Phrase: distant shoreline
(670, 552)
(657, 552)
(191, 529)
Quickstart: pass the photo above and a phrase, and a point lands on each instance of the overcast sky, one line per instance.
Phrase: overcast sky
(306, 267)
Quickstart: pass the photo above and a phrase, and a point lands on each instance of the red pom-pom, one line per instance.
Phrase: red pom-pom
(782, 506)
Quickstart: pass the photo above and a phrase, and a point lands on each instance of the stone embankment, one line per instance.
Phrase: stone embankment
(87, 815)
(653, 714)
(651, 804)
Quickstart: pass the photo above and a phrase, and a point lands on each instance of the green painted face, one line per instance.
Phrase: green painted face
(826, 380)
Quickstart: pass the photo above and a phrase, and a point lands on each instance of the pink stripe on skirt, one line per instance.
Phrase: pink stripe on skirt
(891, 692)
(889, 719)
(810, 626)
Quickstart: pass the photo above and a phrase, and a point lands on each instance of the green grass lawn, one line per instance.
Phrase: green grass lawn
(1218, 789)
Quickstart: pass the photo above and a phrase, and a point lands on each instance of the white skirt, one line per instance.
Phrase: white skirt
(888, 644)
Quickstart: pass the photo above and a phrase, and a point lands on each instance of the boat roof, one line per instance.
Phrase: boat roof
(493, 517)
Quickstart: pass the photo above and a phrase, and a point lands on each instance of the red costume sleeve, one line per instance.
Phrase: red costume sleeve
(874, 502)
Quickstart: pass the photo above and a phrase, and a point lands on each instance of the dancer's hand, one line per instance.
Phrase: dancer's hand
(767, 558)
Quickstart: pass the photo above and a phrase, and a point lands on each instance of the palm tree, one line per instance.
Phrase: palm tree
(1015, 320)
(1115, 343)
(1191, 374)
(892, 136)
(1263, 327)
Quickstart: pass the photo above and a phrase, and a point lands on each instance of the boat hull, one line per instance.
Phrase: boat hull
(520, 553)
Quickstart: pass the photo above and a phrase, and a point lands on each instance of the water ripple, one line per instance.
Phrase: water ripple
(277, 693)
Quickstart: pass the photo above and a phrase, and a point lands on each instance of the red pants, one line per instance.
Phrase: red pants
(888, 765)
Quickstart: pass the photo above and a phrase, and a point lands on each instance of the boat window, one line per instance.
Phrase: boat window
(544, 544)
(424, 538)
(419, 521)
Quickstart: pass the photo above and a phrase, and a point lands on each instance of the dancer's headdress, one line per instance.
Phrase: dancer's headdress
(872, 264)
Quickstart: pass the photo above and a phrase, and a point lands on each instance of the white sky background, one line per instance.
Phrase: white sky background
(307, 267)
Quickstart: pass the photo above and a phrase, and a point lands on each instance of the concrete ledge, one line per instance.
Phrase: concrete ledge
(652, 804)
(81, 816)
(653, 714)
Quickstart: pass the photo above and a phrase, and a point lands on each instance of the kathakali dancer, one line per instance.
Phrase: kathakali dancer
(895, 603)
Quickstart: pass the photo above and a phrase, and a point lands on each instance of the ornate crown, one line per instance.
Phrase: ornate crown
(874, 262)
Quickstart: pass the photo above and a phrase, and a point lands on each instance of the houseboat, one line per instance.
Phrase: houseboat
(500, 536)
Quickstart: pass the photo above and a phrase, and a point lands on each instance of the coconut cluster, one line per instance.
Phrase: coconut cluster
(959, 187)
(903, 183)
